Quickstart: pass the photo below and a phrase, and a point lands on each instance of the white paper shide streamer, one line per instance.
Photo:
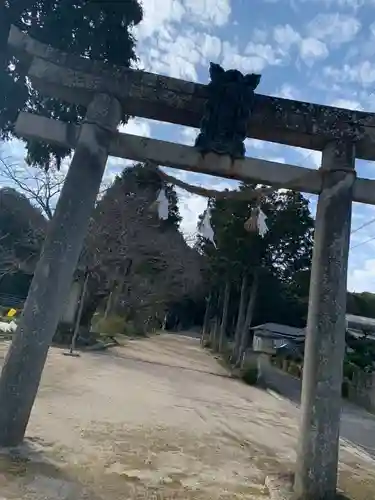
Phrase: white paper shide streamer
(206, 228)
(261, 223)
(163, 205)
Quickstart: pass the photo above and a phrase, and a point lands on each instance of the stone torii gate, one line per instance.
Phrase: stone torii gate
(107, 92)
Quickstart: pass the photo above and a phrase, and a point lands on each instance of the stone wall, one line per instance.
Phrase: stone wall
(278, 380)
(71, 304)
(361, 390)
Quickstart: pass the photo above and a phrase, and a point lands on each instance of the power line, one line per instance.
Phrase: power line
(365, 224)
(362, 243)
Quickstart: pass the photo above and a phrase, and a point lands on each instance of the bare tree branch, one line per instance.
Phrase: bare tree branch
(39, 186)
(164, 268)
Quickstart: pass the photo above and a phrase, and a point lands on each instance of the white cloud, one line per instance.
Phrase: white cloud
(137, 126)
(312, 49)
(191, 206)
(362, 276)
(251, 144)
(348, 4)
(286, 36)
(259, 35)
(347, 104)
(208, 46)
(334, 28)
(310, 158)
(158, 16)
(155, 17)
(13, 151)
(188, 135)
(287, 91)
(178, 53)
(176, 39)
(214, 12)
(251, 62)
(362, 73)
(263, 51)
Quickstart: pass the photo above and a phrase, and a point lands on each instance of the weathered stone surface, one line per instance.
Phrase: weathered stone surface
(183, 157)
(22, 370)
(168, 99)
(318, 444)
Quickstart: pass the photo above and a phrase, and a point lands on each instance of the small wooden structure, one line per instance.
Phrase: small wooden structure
(109, 92)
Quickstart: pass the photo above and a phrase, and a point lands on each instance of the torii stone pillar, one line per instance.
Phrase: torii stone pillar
(27, 354)
(318, 445)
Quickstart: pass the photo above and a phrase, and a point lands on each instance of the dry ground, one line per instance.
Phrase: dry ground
(157, 419)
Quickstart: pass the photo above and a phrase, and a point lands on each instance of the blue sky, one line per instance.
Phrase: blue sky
(312, 50)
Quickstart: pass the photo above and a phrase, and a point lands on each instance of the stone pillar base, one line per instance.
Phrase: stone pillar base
(280, 487)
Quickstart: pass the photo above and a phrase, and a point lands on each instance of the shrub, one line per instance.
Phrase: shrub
(345, 389)
(130, 330)
(112, 325)
(294, 369)
(116, 325)
(348, 370)
(249, 373)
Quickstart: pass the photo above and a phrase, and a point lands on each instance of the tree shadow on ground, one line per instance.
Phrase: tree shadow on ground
(27, 472)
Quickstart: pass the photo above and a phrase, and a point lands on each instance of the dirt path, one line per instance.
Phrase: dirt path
(157, 419)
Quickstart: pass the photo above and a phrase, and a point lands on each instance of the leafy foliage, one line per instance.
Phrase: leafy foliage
(249, 373)
(361, 304)
(22, 230)
(282, 257)
(99, 30)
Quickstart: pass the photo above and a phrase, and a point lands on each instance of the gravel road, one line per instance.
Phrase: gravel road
(155, 419)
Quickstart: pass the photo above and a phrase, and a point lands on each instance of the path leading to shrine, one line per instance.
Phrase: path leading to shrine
(159, 419)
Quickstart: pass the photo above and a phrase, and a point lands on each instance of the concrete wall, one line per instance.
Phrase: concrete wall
(72, 303)
(362, 390)
(278, 380)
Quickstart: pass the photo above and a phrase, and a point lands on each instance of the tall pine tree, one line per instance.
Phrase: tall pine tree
(101, 30)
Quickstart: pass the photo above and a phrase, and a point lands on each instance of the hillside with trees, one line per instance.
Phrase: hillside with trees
(138, 264)
(141, 267)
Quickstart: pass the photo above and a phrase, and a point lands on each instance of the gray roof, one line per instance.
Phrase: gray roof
(277, 330)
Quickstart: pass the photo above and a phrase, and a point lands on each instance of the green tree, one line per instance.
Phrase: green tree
(97, 29)
(361, 304)
(278, 258)
(22, 230)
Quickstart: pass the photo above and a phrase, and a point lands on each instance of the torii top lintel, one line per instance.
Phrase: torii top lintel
(148, 95)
